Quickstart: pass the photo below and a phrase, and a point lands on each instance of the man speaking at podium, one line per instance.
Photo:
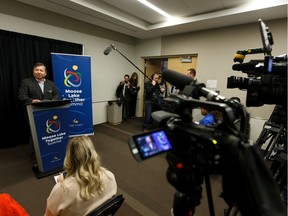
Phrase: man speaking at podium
(36, 89)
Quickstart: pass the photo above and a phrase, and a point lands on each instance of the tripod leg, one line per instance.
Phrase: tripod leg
(209, 195)
(272, 145)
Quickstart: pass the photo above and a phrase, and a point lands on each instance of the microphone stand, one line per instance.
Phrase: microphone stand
(113, 46)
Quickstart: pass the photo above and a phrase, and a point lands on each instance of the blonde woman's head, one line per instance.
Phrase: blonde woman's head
(83, 163)
(80, 153)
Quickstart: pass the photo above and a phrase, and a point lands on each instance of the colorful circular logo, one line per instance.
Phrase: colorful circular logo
(72, 78)
(53, 125)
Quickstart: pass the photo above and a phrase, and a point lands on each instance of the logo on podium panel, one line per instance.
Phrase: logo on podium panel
(52, 131)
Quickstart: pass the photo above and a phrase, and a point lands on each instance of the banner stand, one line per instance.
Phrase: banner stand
(72, 76)
(50, 133)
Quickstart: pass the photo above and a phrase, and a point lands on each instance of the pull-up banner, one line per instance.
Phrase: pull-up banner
(72, 76)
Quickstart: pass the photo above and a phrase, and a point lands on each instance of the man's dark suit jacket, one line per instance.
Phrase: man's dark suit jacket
(30, 89)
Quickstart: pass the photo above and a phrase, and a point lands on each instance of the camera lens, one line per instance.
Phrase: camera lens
(237, 82)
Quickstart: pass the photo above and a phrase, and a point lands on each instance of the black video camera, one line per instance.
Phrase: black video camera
(267, 79)
(193, 151)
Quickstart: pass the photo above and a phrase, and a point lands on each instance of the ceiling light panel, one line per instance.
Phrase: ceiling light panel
(137, 9)
(188, 8)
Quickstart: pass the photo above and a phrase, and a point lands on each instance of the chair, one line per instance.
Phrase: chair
(109, 207)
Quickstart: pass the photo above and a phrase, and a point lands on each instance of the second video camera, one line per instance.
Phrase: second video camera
(267, 79)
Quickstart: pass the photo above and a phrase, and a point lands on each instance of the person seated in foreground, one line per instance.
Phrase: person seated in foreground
(86, 184)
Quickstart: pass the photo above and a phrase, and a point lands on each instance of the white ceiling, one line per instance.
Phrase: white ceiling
(130, 17)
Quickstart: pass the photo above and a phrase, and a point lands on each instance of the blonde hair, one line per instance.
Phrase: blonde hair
(83, 163)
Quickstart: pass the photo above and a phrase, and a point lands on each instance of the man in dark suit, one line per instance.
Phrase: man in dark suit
(34, 90)
(148, 146)
(37, 88)
(122, 93)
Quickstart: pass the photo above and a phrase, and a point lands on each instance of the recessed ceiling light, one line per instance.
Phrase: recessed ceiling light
(153, 7)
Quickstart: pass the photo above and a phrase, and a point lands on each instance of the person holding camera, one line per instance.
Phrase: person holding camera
(86, 185)
(122, 93)
(152, 100)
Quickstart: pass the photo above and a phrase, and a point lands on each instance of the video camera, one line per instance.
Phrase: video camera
(195, 151)
(267, 79)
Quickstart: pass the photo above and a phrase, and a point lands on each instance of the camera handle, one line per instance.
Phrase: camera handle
(267, 41)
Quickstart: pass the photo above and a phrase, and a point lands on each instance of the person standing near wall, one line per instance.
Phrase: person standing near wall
(122, 92)
(192, 73)
(151, 99)
(134, 89)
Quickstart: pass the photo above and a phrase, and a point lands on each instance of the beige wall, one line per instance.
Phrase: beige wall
(176, 64)
(216, 49)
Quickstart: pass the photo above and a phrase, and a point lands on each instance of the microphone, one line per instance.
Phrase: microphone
(108, 49)
(177, 79)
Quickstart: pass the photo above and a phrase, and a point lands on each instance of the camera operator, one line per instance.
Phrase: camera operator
(152, 99)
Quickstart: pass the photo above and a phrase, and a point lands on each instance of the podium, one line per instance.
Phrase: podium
(50, 133)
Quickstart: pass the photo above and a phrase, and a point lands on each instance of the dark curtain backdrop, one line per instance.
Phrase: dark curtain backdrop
(18, 54)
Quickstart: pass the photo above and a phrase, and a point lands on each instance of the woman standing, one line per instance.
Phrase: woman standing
(134, 88)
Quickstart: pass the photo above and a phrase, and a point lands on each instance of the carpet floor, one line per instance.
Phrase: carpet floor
(143, 184)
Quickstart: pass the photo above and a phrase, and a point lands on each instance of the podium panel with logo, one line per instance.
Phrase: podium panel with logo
(50, 132)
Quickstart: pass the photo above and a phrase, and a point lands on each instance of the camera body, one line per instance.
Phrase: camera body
(193, 151)
(266, 82)
(267, 79)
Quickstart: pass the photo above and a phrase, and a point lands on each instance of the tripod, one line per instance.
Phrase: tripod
(275, 132)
